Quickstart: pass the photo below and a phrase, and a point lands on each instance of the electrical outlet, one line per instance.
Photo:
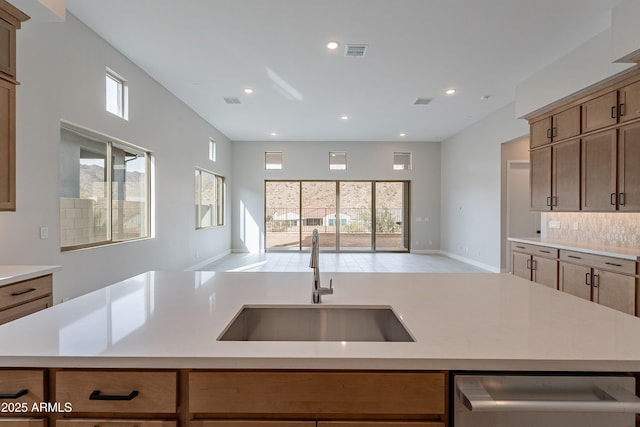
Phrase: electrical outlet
(44, 233)
(574, 226)
(554, 224)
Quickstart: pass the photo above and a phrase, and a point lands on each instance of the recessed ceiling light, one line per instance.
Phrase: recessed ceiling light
(450, 91)
(248, 91)
(274, 134)
(344, 117)
(403, 134)
(485, 97)
(332, 45)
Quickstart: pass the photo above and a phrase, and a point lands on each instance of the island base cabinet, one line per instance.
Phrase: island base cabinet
(378, 424)
(239, 423)
(331, 395)
(24, 422)
(114, 423)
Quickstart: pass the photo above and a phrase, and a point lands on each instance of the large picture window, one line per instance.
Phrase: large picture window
(104, 190)
(209, 199)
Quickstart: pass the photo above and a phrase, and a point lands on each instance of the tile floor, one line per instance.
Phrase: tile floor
(342, 262)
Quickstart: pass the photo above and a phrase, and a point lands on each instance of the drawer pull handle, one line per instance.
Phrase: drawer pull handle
(521, 247)
(16, 294)
(574, 257)
(545, 252)
(613, 264)
(613, 112)
(95, 395)
(587, 279)
(15, 395)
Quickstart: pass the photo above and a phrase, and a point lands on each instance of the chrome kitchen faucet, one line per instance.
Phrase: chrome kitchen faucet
(316, 290)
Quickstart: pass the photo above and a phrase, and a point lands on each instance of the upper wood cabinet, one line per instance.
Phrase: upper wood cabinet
(555, 177)
(629, 167)
(10, 19)
(591, 163)
(563, 125)
(599, 172)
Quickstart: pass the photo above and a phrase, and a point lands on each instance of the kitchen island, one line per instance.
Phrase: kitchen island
(169, 323)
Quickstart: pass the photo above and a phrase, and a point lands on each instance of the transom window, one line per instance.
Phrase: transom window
(116, 95)
(401, 161)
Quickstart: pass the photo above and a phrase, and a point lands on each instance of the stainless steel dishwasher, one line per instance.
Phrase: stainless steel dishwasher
(544, 401)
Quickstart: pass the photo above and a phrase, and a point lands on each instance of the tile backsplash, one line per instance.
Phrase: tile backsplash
(616, 229)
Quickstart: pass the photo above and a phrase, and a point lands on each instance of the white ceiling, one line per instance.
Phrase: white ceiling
(204, 50)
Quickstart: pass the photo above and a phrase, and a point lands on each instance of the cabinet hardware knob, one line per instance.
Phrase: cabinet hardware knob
(587, 279)
(554, 132)
(95, 395)
(545, 252)
(15, 395)
(595, 280)
(613, 112)
(548, 201)
(574, 257)
(621, 110)
(15, 294)
(612, 199)
(548, 133)
(621, 199)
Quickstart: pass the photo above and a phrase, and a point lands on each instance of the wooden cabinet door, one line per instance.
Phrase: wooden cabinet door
(7, 146)
(545, 272)
(629, 108)
(629, 168)
(116, 423)
(566, 124)
(540, 179)
(380, 424)
(614, 290)
(540, 133)
(599, 172)
(574, 280)
(565, 176)
(600, 112)
(520, 265)
(237, 423)
(22, 422)
(8, 51)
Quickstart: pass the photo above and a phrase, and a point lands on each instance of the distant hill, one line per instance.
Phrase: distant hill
(92, 179)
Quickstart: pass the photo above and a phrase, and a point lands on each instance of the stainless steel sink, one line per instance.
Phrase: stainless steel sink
(316, 323)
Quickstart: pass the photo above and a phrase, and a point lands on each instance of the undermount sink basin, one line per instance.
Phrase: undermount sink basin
(316, 323)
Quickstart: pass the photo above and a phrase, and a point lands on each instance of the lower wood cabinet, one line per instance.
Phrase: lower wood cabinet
(25, 297)
(239, 423)
(23, 422)
(118, 391)
(604, 280)
(22, 386)
(536, 263)
(378, 424)
(115, 423)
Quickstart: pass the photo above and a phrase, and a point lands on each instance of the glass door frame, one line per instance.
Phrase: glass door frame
(406, 197)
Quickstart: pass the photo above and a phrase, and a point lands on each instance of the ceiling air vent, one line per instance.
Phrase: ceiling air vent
(231, 100)
(422, 101)
(355, 50)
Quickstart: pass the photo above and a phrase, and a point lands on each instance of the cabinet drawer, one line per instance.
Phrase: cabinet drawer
(28, 290)
(22, 422)
(15, 382)
(25, 309)
(618, 265)
(538, 250)
(114, 423)
(119, 391)
(317, 393)
(379, 424)
(237, 423)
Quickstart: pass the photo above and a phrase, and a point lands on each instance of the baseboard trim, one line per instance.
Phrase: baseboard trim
(425, 251)
(208, 261)
(471, 262)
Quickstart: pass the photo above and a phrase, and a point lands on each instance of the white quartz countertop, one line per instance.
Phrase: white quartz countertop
(472, 321)
(606, 250)
(16, 273)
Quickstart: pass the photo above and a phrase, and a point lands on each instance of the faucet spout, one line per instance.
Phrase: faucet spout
(316, 290)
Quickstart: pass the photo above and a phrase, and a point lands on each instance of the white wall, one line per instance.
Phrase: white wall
(584, 66)
(310, 161)
(471, 188)
(62, 70)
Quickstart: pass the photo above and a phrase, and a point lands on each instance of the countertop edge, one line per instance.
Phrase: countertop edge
(26, 272)
(572, 246)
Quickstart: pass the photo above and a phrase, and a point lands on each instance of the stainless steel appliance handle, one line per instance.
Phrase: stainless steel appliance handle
(615, 399)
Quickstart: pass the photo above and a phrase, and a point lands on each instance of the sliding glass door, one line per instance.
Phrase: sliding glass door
(357, 216)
